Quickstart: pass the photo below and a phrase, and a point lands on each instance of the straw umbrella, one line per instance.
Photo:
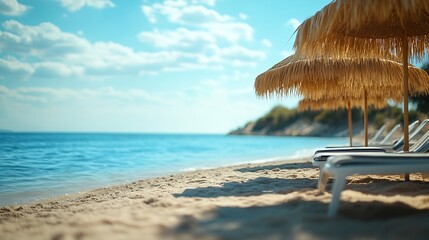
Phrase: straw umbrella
(335, 104)
(322, 78)
(393, 29)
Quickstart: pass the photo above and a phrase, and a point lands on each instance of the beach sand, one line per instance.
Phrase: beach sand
(274, 200)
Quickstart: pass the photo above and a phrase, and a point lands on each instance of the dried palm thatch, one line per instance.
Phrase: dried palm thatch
(338, 89)
(391, 29)
(362, 28)
(326, 78)
(338, 103)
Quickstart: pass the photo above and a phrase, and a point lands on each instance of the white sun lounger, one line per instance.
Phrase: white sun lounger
(387, 140)
(377, 135)
(420, 146)
(413, 135)
(340, 167)
(321, 155)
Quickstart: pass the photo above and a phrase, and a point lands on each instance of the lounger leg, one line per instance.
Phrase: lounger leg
(323, 180)
(405, 177)
(339, 183)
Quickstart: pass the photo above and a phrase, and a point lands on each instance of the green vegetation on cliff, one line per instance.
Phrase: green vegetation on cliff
(284, 121)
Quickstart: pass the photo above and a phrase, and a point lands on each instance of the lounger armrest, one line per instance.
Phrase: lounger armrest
(351, 149)
(323, 156)
(378, 158)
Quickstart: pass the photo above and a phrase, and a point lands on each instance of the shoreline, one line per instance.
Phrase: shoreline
(296, 157)
(271, 200)
(39, 170)
(201, 169)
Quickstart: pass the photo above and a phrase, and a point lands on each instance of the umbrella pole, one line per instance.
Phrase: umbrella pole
(365, 118)
(405, 86)
(349, 116)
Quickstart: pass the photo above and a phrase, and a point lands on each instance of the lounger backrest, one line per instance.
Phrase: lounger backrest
(377, 135)
(422, 145)
(387, 139)
(420, 131)
(400, 143)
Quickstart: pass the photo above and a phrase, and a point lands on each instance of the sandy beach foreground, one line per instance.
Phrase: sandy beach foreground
(275, 200)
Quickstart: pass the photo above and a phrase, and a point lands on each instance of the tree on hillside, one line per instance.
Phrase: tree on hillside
(422, 101)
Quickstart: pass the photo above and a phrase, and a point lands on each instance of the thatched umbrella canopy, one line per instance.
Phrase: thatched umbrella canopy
(322, 78)
(336, 103)
(348, 76)
(367, 28)
(393, 29)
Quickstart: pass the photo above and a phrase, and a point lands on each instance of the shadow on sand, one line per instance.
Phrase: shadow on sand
(299, 219)
(374, 186)
(278, 166)
(257, 186)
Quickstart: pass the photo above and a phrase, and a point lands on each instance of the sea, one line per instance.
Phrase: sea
(39, 166)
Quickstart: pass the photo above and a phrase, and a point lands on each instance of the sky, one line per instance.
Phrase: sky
(171, 66)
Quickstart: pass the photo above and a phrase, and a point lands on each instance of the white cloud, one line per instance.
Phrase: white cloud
(200, 17)
(202, 32)
(57, 69)
(293, 22)
(197, 15)
(181, 37)
(50, 52)
(200, 38)
(205, 39)
(181, 11)
(149, 13)
(13, 69)
(12, 8)
(267, 43)
(55, 95)
(74, 5)
(44, 40)
(233, 32)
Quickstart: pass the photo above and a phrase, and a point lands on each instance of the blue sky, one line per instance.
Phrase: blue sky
(141, 66)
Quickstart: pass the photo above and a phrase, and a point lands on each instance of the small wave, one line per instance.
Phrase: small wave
(262, 160)
(190, 169)
(302, 153)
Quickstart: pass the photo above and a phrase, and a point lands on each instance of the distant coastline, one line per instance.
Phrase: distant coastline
(281, 121)
(298, 128)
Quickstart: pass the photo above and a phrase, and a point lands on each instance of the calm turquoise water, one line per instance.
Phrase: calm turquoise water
(36, 166)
